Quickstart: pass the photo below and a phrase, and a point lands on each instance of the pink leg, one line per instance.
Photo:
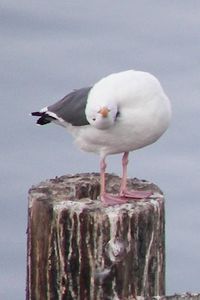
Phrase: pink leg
(124, 193)
(107, 199)
(102, 176)
(124, 173)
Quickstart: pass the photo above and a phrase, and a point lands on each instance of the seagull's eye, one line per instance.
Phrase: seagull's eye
(93, 119)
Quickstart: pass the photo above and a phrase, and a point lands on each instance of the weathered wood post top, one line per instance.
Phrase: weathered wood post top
(80, 249)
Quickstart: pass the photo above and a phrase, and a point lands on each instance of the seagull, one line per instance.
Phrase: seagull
(120, 113)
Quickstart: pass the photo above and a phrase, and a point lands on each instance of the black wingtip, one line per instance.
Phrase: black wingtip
(44, 117)
(36, 114)
(43, 120)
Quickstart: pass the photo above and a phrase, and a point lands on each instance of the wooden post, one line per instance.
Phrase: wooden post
(80, 249)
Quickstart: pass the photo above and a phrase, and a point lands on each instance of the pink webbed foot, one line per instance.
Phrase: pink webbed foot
(109, 199)
(124, 197)
(134, 194)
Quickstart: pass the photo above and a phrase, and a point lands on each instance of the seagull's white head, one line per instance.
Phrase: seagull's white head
(102, 117)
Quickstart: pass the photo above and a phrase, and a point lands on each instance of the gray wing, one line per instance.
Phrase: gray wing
(72, 107)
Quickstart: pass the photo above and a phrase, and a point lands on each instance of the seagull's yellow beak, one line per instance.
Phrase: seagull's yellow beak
(104, 112)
